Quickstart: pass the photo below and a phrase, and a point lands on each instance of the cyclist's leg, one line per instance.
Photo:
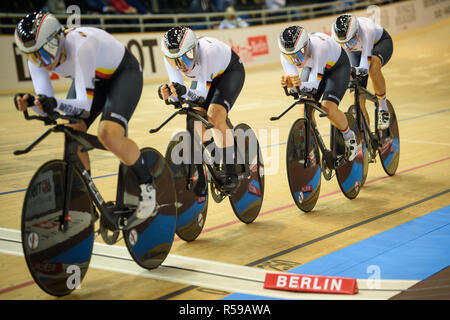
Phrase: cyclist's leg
(123, 96)
(113, 136)
(355, 58)
(381, 54)
(336, 83)
(227, 89)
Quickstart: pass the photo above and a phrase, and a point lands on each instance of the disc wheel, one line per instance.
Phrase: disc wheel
(390, 144)
(149, 241)
(57, 250)
(304, 178)
(350, 174)
(247, 199)
(192, 207)
(364, 145)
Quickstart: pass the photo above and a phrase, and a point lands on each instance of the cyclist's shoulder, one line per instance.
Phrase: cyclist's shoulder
(209, 42)
(213, 48)
(368, 24)
(322, 41)
(87, 34)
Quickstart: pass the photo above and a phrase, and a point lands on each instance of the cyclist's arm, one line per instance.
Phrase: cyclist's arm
(289, 68)
(174, 75)
(41, 80)
(41, 83)
(367, 47)
(84, 84)
(317, 65)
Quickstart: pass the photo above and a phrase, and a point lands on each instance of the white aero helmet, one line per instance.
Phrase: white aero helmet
(345, 30)
(180, 46)
(40, 36)
(294, 44)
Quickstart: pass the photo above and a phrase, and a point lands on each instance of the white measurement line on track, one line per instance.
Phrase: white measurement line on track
(205, 273)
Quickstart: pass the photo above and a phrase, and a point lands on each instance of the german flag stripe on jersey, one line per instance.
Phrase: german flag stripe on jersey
(90, 93)
(208, 84)
(330, 64)
(369, 60)
(319, 76)
(218, 74)
(104, 73)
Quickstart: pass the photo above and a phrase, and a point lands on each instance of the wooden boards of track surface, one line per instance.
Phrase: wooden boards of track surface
(282, 237)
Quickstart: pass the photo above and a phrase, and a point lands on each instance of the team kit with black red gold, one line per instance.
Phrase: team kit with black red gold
(107, 79)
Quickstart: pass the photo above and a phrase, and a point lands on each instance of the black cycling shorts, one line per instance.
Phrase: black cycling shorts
(383, 49)
(118, 96)
(226, 88)
(334, 81)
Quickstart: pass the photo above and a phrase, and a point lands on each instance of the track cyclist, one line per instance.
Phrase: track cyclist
(107, 79)
(325, 73)
(217, 76)
(370, 47)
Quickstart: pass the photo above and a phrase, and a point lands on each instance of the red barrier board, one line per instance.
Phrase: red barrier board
(310, 283)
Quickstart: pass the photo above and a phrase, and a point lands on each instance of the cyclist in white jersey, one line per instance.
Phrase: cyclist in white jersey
(325, 73)
(217, 76)
(369, 47)
(106, 79)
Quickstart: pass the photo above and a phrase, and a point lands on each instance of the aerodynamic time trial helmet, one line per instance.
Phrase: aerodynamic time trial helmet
(180, 46)
(294, 44)
(345, 30)
(41, 37)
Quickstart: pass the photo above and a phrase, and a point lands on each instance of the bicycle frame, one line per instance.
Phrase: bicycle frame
(193, 115)
(73, 139)
(328, 154)
(361, 92)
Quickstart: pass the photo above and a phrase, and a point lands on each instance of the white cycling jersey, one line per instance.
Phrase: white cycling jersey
(214, 56)
(368, 35)
(91, 55)
(325, 52)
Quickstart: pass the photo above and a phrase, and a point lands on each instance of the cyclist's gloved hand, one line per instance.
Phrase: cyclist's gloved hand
(163, 92)
(361, 71)
(23, 104)
(177, 89)
(48, 105)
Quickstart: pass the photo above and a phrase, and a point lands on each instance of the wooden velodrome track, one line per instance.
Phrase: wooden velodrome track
(282, 237)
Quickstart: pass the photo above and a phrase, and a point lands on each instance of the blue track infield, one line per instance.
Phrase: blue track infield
(414, 250)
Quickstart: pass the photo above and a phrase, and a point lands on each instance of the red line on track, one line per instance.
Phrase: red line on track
(18, 286)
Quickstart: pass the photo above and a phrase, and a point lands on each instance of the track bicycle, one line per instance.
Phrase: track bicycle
(62, 205)
(191, 161)
(386, 142)
(303, 163)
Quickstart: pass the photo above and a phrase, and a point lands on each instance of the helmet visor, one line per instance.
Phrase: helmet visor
(47, 54)
(350, 44)
(183, 63)
(296, 58)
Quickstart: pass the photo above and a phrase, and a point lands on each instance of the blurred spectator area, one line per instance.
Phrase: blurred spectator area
(159, 15)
